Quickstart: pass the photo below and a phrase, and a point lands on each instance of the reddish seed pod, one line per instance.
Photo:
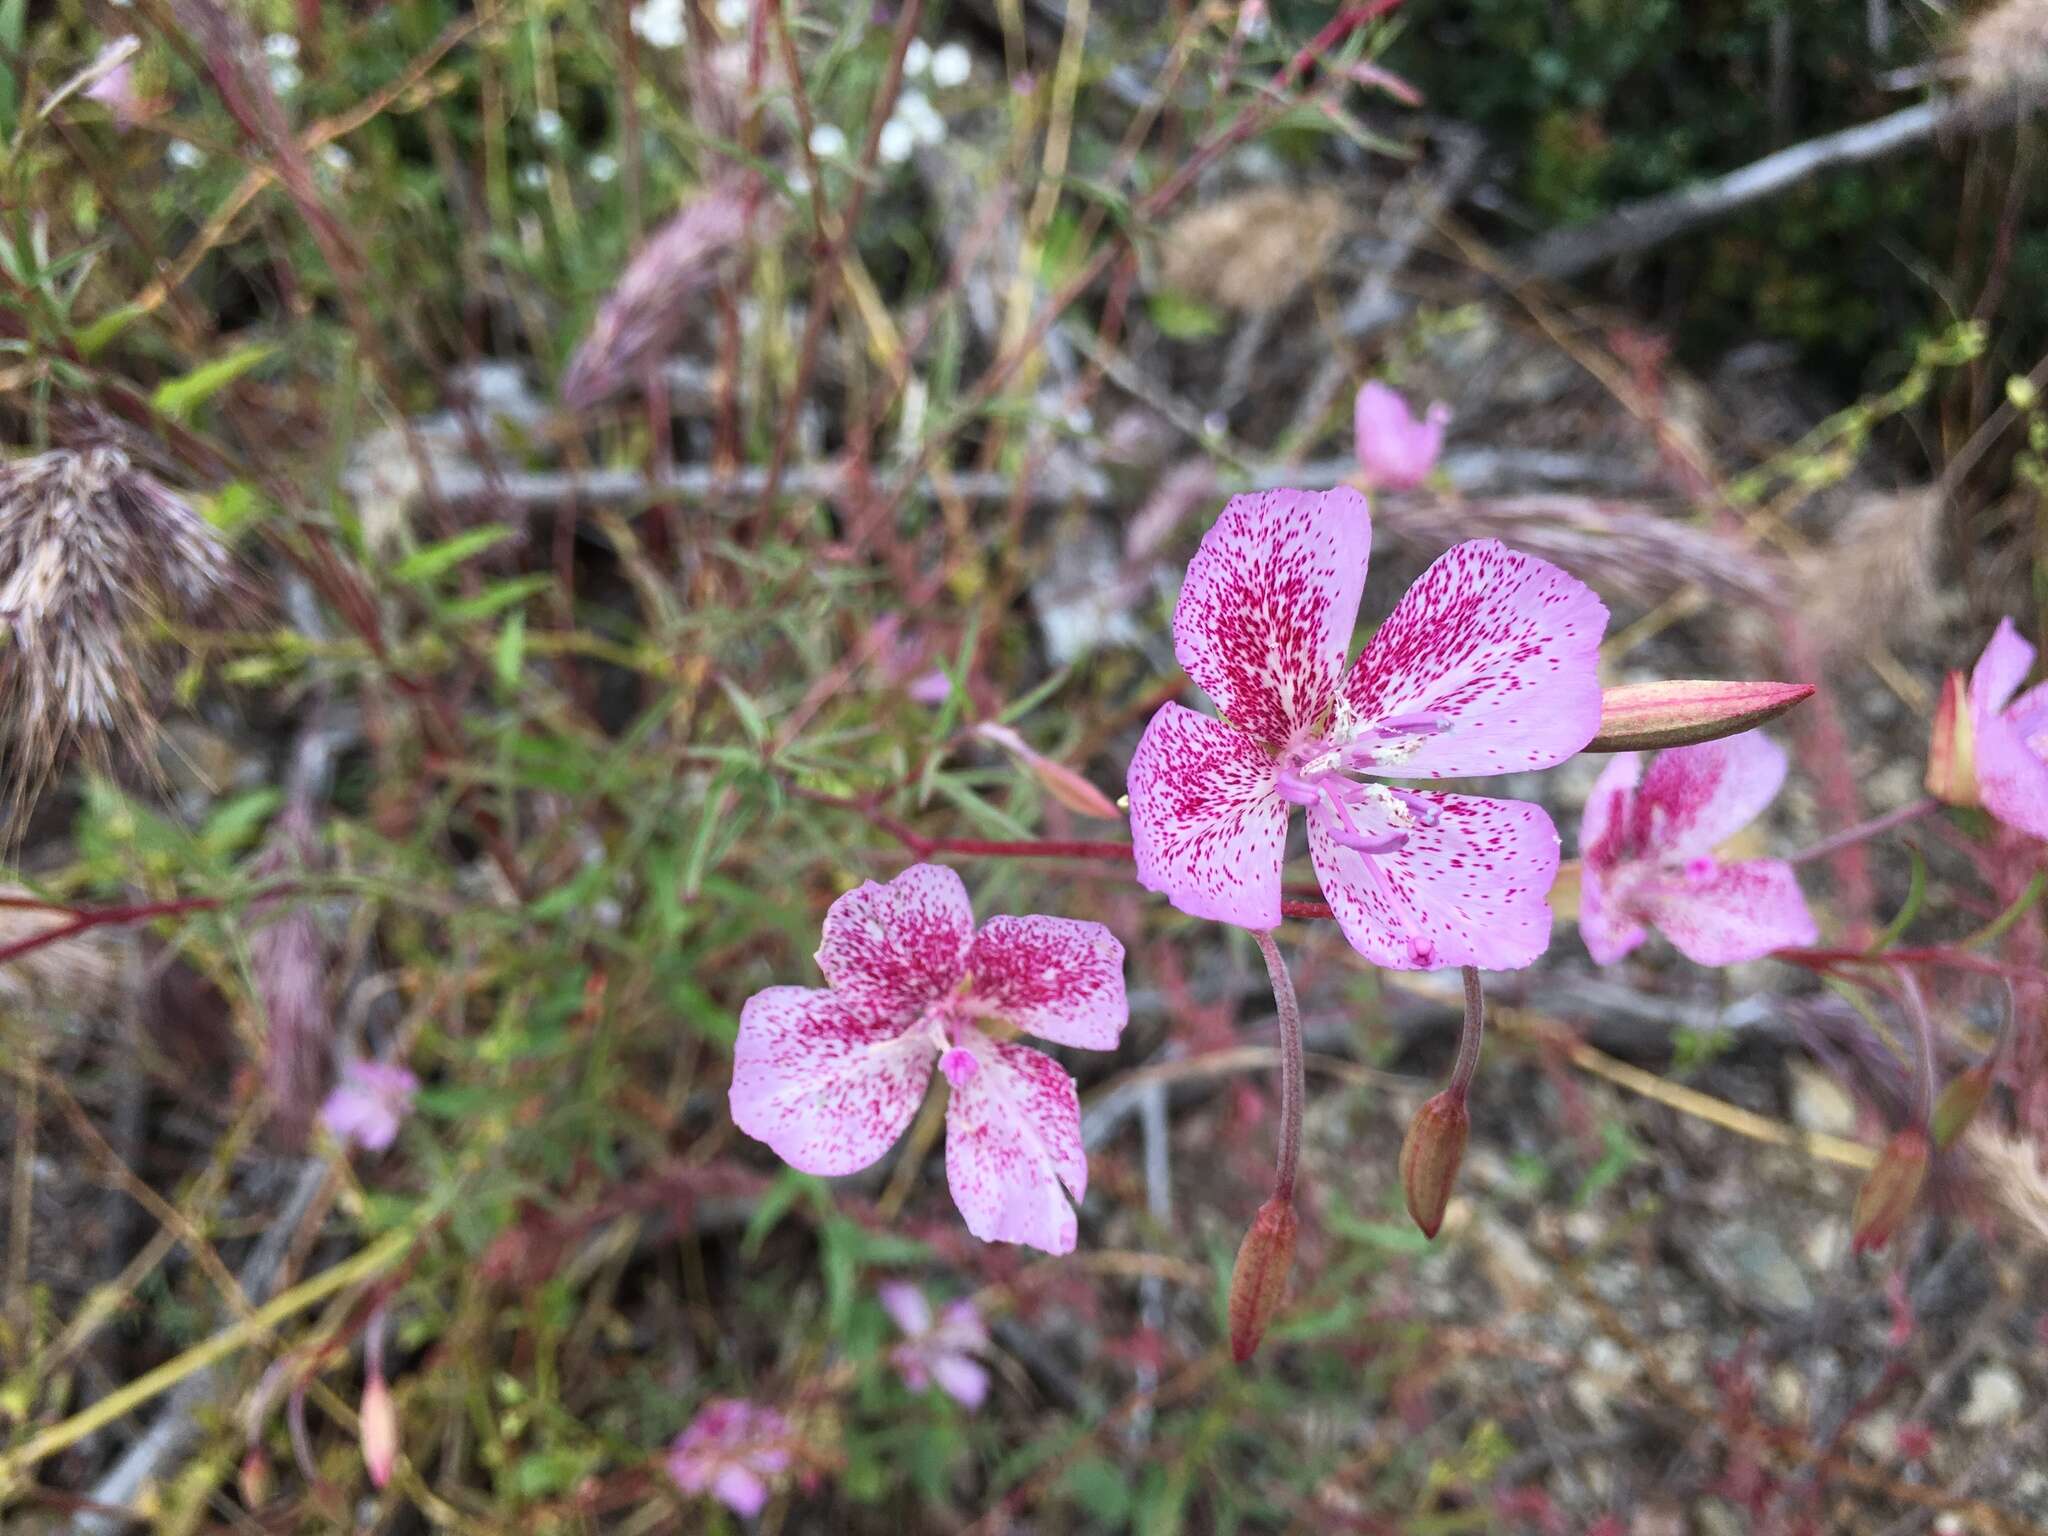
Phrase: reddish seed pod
(1645, 717)
(378, 1418)
(1890, 1189)
(1259, 1281)
(1430, 1155)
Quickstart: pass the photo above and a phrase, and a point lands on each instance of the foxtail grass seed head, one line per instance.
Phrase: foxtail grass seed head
(1890, 1190)
(1258, 1281)
(95, 556)
(1430, 1155)
(648, 308)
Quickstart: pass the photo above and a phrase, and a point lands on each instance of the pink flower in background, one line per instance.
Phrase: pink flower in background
(1487, 665)
(1647, 843)
(1396, 452)
(115, 88)
(2010, 735)
(734, 1450)
(938, 1350)
(368, 1104)
(830, 1079)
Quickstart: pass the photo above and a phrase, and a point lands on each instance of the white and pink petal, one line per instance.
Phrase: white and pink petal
(1734, 913)
(827, 1089)
(1265, 616)
(2000, 669)
(1471, 889)
(1694, 798)
(1059, 978)
(1208, 831)
(1498, 651)
(889, 949)
(1013, 1148)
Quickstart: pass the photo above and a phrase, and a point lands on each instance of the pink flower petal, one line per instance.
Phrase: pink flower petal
(1740, 912)
(1504, 645)
(906, 1306)
(2012, 780)
(1471, 890)
(1609, 932)
(1265, 617)
(828, 1090)
(1013, 1139)
(888, 950)
(1207, 830)
(1694, 798)
(2000, 670)
(739, 1490)
(1396, 450)
(963, 1379)
(1055, 977)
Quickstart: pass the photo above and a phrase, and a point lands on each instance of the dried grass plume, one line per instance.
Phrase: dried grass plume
(95, 556)
(1252, 251)
(2012, 1175)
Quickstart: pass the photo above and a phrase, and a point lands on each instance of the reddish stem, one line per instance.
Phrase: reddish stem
(1291, 1068)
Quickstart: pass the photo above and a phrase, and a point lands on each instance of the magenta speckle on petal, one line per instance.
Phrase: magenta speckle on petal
(959, 1066)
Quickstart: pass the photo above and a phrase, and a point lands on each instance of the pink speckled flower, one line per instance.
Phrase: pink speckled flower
(1396, 450)
(368, 1104)
(734, 1450)
(1487, 665)
(940, 1349)
(831, 1078)
(1648, 857)
(2010, 734)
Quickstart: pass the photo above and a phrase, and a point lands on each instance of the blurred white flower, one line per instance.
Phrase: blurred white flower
(733, 14)
(798, 183)
(897, 141)
(828, 141)
(915, 110)
(547, 125)
(533, 176)
(951, 66)
(285, 76)
(337, 159)
(602, 167)
(917, 58)
(660, 23)
(184, 156)
(281, 45)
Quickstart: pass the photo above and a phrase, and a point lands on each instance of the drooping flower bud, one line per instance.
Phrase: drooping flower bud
(1056, 779)
(1959, 1103)
(1952, 749)
(1430, 1155)
(1644, 717)
(378, 1418)
(1258, 1282)
(1890, 1189)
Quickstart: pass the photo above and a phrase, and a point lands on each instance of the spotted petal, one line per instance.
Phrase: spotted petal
(1207, 830)
(1013, 1147)
(1740, 912)
(2012, 780)
(1471, 890)
(1608, 930)
(829, 1090)
(1694, 798)
(1265, 617)
(888, 950)
(1503, 648)
(1055, 977)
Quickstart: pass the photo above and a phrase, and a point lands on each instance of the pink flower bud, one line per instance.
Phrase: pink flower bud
(1396, 452)
(1959, 1103)
(1073, 791)
(1430, 1155)
(1642, 717)
(378, 1418)
(1952, 749)
(1890, 1189)
(1258, 1282)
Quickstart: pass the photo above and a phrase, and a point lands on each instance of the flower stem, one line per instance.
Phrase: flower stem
(1923, 1047)
(1469, 1037)
(1289, 1009)
(1850, 836)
